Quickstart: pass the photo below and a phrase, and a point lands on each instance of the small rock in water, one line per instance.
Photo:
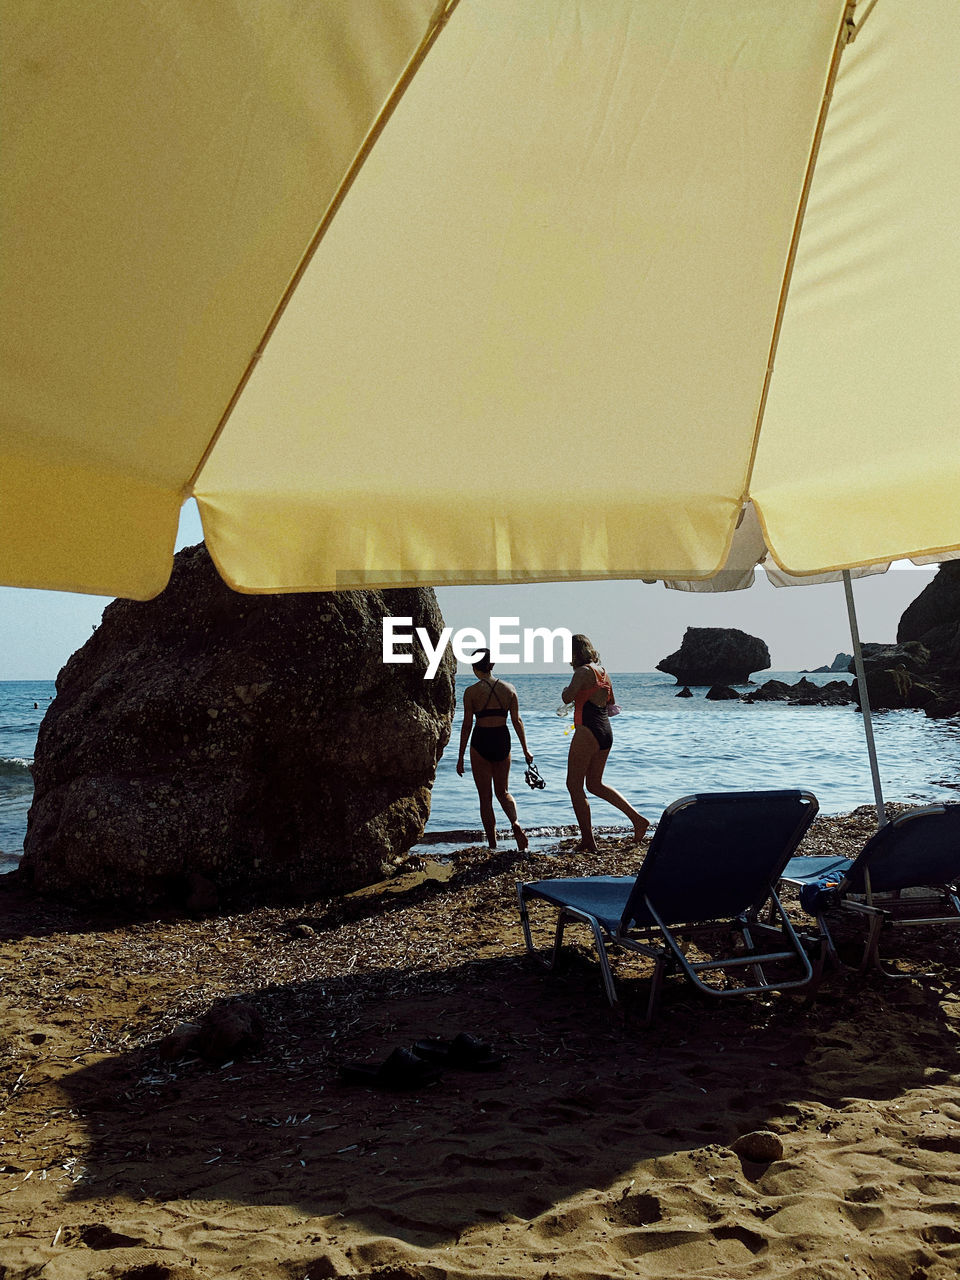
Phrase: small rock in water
(684, 692)
(721, 693)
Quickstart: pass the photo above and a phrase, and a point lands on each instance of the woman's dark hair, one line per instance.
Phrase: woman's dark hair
(582, 650)
(481, 660)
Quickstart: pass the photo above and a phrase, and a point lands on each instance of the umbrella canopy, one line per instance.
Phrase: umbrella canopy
(464, 292)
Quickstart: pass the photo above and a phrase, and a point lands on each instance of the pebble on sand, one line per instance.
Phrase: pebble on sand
(762, 1146)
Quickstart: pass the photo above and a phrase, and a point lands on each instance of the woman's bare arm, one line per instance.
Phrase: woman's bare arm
(518, 726)
(465, 731)
(583, 678)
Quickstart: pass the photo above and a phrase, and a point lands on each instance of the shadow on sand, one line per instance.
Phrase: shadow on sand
(582, 1098)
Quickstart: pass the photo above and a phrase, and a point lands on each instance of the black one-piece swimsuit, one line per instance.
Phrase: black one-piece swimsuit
(597, 721)
(491, 741)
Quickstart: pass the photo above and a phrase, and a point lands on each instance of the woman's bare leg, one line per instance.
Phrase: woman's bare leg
(482, 771)
(597, 787)
(501, 780)
(583, 749)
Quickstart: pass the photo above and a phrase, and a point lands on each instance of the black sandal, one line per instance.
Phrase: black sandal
(401, 1070)
(464, 1052)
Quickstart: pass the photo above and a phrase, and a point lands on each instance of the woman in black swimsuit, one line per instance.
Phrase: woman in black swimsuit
(490, 702)
(591, 693)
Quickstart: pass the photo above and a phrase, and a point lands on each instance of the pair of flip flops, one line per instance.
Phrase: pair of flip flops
(423, 1064)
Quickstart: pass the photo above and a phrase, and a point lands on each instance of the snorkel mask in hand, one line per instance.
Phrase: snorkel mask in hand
(533, 779)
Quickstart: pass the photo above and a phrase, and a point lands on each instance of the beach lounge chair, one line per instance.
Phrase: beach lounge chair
(906, 874)
(712, 866)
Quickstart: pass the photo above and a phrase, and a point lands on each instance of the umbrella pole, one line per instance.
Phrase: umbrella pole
(864, 698)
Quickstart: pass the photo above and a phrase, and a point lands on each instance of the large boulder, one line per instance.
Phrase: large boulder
(911, 655)
(716, 655)
(897, 675)
(246, 744)
(933, 620)
(922, 670)
(936, 607)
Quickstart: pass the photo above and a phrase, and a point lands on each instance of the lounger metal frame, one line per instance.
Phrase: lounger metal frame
(884, 910)
(660, 943)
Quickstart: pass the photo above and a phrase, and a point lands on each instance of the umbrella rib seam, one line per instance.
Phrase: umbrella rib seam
(438, 20)
(840, 43)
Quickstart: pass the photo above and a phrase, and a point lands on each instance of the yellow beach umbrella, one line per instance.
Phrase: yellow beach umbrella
(405, 291)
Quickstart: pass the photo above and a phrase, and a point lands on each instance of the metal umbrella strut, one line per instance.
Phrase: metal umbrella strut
(864, 699)
(748, 552)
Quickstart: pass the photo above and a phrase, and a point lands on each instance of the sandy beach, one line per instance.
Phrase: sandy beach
(598, 1150)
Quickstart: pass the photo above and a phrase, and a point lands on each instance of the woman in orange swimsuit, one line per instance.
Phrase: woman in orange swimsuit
(591, 693)
(490, 702)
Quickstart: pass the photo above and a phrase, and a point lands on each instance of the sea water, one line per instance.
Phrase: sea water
(23, 704)
(664, 747)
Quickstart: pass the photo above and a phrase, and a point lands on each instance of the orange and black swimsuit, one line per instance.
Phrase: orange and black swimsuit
(589, 714)
(491, 741)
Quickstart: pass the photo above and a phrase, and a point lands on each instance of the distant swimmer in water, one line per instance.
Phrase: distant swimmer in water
(591, 693)
(490, 702)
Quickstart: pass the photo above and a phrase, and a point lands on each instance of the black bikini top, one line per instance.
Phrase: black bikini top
(487, 710)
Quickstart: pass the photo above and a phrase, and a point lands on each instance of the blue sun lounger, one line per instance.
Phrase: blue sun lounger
(713, 863)
(906, 874)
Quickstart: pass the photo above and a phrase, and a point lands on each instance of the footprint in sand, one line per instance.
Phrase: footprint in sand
(865, 1217)
(641, 1210)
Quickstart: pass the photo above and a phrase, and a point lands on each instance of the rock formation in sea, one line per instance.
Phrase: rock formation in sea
(249, 744)
(715, 656)
(898, 675)
(933, 621)
(802, 694)
(805, 693)
(934, 617)
(922, 670)
(832, 694)
(771, 691)
(840, 663)
(721, 693)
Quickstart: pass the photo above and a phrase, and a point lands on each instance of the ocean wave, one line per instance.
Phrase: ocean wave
(443, 844)
(14, 765)
(463, 835)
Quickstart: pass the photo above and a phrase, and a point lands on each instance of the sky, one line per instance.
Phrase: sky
(632, 625)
